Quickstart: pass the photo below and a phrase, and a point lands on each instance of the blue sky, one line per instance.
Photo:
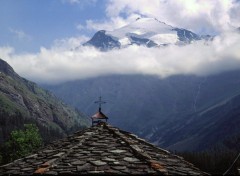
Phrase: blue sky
(36, 38)
(28, 24)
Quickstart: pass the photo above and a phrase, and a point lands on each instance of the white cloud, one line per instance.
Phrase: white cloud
(20, 34)
(80, 27)
(111, 23)
(58, 65)
(69, 43)
(235, 14)
(201, 16)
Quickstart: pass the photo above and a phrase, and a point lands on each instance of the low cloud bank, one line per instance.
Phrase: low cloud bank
(57, 65)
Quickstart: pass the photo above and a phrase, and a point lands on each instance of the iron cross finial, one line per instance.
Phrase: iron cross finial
(100, 102)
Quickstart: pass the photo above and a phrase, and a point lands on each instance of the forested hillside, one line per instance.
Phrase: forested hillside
(22, 101)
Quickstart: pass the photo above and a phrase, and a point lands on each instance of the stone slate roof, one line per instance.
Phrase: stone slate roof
(101, 149)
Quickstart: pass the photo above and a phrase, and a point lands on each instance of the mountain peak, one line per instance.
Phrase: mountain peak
(149, 19)
(146, 31)
(142, 26)
(7, 69)
(138, 18)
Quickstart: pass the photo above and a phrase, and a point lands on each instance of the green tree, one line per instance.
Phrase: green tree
(23, 142)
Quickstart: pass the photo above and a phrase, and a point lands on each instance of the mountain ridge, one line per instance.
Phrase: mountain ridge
(7, 69)
(22, 101)
(164, 111)
(142, 32)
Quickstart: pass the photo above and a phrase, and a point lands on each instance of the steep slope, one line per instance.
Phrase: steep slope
(144, 31)
(163, 111)
(102, 41)
(215, 126)
(22, 101)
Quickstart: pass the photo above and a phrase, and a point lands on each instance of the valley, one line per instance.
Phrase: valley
(174, 113)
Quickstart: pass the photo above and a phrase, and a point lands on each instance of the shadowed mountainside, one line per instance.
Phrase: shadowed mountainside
(22, 101)
(180, 112)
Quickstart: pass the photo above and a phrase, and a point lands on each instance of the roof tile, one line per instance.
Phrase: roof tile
(101, 149)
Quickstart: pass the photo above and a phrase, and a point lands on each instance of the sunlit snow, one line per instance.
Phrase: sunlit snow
(150, 28)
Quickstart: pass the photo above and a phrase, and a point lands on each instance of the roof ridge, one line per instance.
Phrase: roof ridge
(101, 149)
(155, 165)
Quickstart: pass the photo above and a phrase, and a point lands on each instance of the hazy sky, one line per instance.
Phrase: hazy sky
(36, 37)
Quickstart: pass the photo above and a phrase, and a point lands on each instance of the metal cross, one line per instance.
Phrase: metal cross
(100, 102)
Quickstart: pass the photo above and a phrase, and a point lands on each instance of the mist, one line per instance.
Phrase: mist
(58, 64)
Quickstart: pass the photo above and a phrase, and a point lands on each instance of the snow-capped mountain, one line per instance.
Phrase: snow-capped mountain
(143, 31)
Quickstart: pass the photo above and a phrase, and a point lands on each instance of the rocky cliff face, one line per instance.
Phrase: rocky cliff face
(22, 101)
